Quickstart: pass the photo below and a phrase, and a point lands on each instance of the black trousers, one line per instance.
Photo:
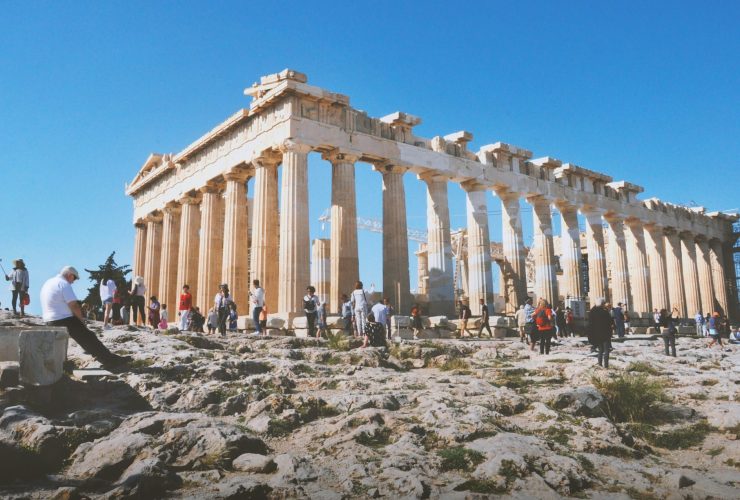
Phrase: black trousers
(311, 320)
(85, 338)
(17, 298)
(484, 324)
(670, 342)
(604, 347)
(223, 315)
(545, 338)
(137, 305)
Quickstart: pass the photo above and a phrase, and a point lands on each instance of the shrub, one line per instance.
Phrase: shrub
(459, 458)
(643, 367)
(379, 438)
(631, 398)
(682, 437)
(338, 341)
(455, 364)
(709, 382)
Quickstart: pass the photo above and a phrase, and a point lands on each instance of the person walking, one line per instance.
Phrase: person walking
(484, 317)
(321, 320)
(18, 286)
(359, 308)
(310, 308)
(530, 329)
(257, 297)
(600, 327)
(618, 314)
(60, 307)
(416, 323)
(464, 314)
(544, 319)
(668, 324)
(107, 291)
(521, 323)
(559, 321)
(138, 300)
(184, 306)
(657, 320)
(706, 324)
(699, 319)
(221, 303)
(714, 332)
(570, 320)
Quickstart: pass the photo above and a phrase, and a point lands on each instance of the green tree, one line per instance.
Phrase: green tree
(110, 269)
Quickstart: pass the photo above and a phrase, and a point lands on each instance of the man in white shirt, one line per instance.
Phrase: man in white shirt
(380, 312)
(257, 296)
(107, 290)
(60, 308)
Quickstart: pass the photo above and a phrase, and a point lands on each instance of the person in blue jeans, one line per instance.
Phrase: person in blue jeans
(257, 297)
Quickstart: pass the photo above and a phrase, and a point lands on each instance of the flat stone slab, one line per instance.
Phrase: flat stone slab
(91, 373)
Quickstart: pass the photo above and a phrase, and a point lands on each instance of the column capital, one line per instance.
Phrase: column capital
(154, 217)
(686, 236)
(191, 198)
(565, 205)
(670, 231)
(172, 207)
(340, 156)
(431, 176)
(238, 175)
(211, 187)
(386, 167)
(141, 223)
(539, 198)
(472, 185)
(589, 210)
(653, 227)
(634, 222)
(267, 158)
(613, 218)
(504, 193)
(291, 146)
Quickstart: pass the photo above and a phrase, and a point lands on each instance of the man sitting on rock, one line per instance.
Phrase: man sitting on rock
(60, 307)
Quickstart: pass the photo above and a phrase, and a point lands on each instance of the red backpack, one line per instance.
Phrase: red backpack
(542, 319)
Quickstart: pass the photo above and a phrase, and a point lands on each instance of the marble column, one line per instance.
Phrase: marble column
(344, 262)
(210, 252)
(480, 278)
(320, 268)
(422, 266)
(513, 249)
(395, 240)
(704, 268)
(716, 259)
(638, 267)
(620, 279)
(139, 248)
(570, 256)
(674, 270)
(235, 270)
(187, 258)
(656, 250)
(441, 291)
(295, 244)
(153, 253)
(545, 280)
(598, 282)
(168, 267)
(689, 264)
(265, 228)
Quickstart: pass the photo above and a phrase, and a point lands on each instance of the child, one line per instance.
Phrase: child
(212, 321)
(416, 324)
(263, 320)
(153, 312)
(233, 317)
(163, 317)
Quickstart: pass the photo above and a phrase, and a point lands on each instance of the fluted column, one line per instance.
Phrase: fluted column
(153, 253)
(441, 291)
(570, 256)
(168, 268)
(689, 264)
(598, 282)
(513, 248)
(657, 262)
(320, 268)
(139, 248)
(210, 252)
(265, 227)
(395, 239)
(620, 281)
(674, 270)
(344, 262)
(704, 268)
(294, 253)
(545, 280)
(638, 267)
(187, 257)
(716, 259)
(480, 278)
(235, 270)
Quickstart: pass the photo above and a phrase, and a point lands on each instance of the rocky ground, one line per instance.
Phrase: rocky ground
(282, 417)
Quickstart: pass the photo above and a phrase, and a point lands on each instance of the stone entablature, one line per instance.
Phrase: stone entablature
(287, 111)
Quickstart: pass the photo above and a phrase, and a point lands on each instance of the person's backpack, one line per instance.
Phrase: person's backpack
(309, 305)
(541, 318)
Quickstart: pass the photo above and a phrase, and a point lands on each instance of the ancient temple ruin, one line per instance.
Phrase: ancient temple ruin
(194, 223)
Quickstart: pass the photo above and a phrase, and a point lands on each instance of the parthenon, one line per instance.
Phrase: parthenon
(193, 221)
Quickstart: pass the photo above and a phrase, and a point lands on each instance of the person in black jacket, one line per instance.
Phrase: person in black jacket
(600, 330)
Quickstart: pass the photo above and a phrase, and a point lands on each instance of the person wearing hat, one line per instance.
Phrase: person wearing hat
(18, 285)
(60, 307)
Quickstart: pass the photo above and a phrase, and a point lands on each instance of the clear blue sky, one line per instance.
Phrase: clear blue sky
(645, 91)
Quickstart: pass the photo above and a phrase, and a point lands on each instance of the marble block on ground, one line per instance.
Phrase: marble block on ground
(300, 322)
(9, 343)
(441, 321)
(400, 322)
(335, 322)
(42, 353)
(244, 323)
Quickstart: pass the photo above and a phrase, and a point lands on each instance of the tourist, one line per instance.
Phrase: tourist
(212, 323)
(138, 299)
(714, 332)
(560, 321)
(263, 321)
(257, 298)
(233, 318)
(521, 323)
(195, 320)
(359, 308)
(600, 327)
(656, 320)
(389, 312)
(626, 318)
(530, 329)
(484, 317)
(346, 313)
(669, 330)
(221, 303)
(164, 317)
(310, 308)
(183, 309)
(570, 321)
(60, 307)
(125, 297)
(464, 315)
(619, 324)
(153, 312)
(699, 319)
(107, 291)
(18, 286)
(374, 332)
(321, 320)
(416, 323)
(706, 324)
(380, 313)
(735, 336)
(544, 320)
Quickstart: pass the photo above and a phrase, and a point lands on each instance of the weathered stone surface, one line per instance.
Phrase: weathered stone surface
(582, 401)
(252, 462)
(9, 373)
